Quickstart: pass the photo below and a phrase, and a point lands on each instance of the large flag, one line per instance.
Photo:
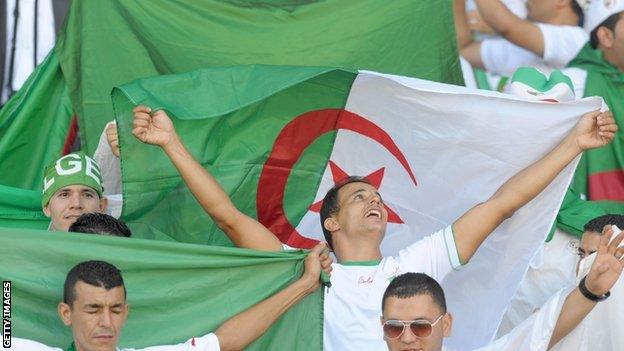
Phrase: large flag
(34, 126)
(277, 138)
(176, 291)
(108, 43)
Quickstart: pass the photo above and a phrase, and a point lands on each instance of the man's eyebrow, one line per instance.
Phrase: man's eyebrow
(93, 305)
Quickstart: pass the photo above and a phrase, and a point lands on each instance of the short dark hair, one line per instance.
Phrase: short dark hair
(578, 11)
(100, 223)
(414, 284)
(96, 273)
(610, 23)
(330, 203)
(598, 223)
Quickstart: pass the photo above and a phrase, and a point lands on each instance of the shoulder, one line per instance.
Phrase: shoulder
(18, 344)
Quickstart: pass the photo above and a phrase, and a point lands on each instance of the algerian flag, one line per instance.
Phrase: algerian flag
(277, 138)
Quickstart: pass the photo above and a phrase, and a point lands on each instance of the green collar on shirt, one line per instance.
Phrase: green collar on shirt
(71, 347)
(361, 263)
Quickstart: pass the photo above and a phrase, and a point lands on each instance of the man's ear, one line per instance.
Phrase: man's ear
(64, 312)
(103, 204)
(447, 324)
(331, 224)
(605, 37)
(46, 210)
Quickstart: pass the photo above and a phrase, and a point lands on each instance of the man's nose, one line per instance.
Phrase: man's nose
(75, 200)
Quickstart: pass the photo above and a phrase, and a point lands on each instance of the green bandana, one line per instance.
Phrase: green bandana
(72, 169)
(607, 81)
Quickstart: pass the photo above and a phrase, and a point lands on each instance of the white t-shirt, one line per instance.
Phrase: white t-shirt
(353, 303)
(561, 45)
(207, 342)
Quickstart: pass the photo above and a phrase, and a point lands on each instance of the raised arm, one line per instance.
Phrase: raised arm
(604, 272)
(513, 28)
(245, 327)
(595, 129)
(157, 129)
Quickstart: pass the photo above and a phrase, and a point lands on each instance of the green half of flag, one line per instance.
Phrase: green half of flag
(231, 119)
(600, 174)
(109, 43)
(176, 291)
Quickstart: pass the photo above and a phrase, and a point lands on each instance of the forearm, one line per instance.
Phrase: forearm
(245, 327)
(528, 183)
(464, 36)
(244, 231)
(496, 15)
(574, 309)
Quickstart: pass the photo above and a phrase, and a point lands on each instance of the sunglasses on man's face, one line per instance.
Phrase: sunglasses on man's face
(421, 328)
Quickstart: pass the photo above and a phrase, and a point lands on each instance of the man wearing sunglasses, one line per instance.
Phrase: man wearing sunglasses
(414, 315)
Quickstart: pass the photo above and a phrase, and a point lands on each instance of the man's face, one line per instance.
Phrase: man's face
(361, 210)
(589, 244)
(68, 203)
(541, 10)
(96, 317)
(419, 307)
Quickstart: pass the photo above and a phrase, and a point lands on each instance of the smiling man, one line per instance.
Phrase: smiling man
(95, 308)
(72, 186)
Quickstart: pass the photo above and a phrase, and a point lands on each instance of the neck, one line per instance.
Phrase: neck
(362, 250)
(612, 58)
(565, 17)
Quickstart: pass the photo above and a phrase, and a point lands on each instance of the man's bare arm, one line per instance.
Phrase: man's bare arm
(595, 129)
(521, 32)
(244, 231)
(245, 327)
(605, 271)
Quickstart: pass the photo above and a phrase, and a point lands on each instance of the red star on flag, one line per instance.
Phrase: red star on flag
(374, 179)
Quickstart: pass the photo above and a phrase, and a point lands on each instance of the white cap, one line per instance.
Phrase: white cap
(600, 10)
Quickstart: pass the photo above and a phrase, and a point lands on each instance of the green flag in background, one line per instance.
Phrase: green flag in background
(109, 43)
(600, 174)
(34, 124)
(176, 291)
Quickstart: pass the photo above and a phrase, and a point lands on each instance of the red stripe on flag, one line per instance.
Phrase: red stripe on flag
(71, 136)
(607, 186)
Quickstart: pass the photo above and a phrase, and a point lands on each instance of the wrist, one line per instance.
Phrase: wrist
(173, 144)
(308, 284)
(590, 295)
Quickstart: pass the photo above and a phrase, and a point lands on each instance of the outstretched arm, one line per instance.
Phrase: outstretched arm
(521, 32)
(245, 327)
(157, 129)
(604, 272)
(595, 129)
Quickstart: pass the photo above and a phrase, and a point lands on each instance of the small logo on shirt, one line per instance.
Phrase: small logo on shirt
(365, 279)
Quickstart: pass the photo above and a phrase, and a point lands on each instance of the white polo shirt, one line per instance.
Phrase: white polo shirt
(561, 45)
(353, 303)
(207, 342)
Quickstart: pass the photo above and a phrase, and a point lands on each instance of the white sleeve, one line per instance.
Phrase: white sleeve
(18, 344)
(561, 43)
(435, 255)
(535, 332)
(208, 342)
(502, 57)
(110, 165)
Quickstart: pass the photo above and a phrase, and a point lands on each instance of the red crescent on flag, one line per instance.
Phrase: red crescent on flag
(291, 142)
